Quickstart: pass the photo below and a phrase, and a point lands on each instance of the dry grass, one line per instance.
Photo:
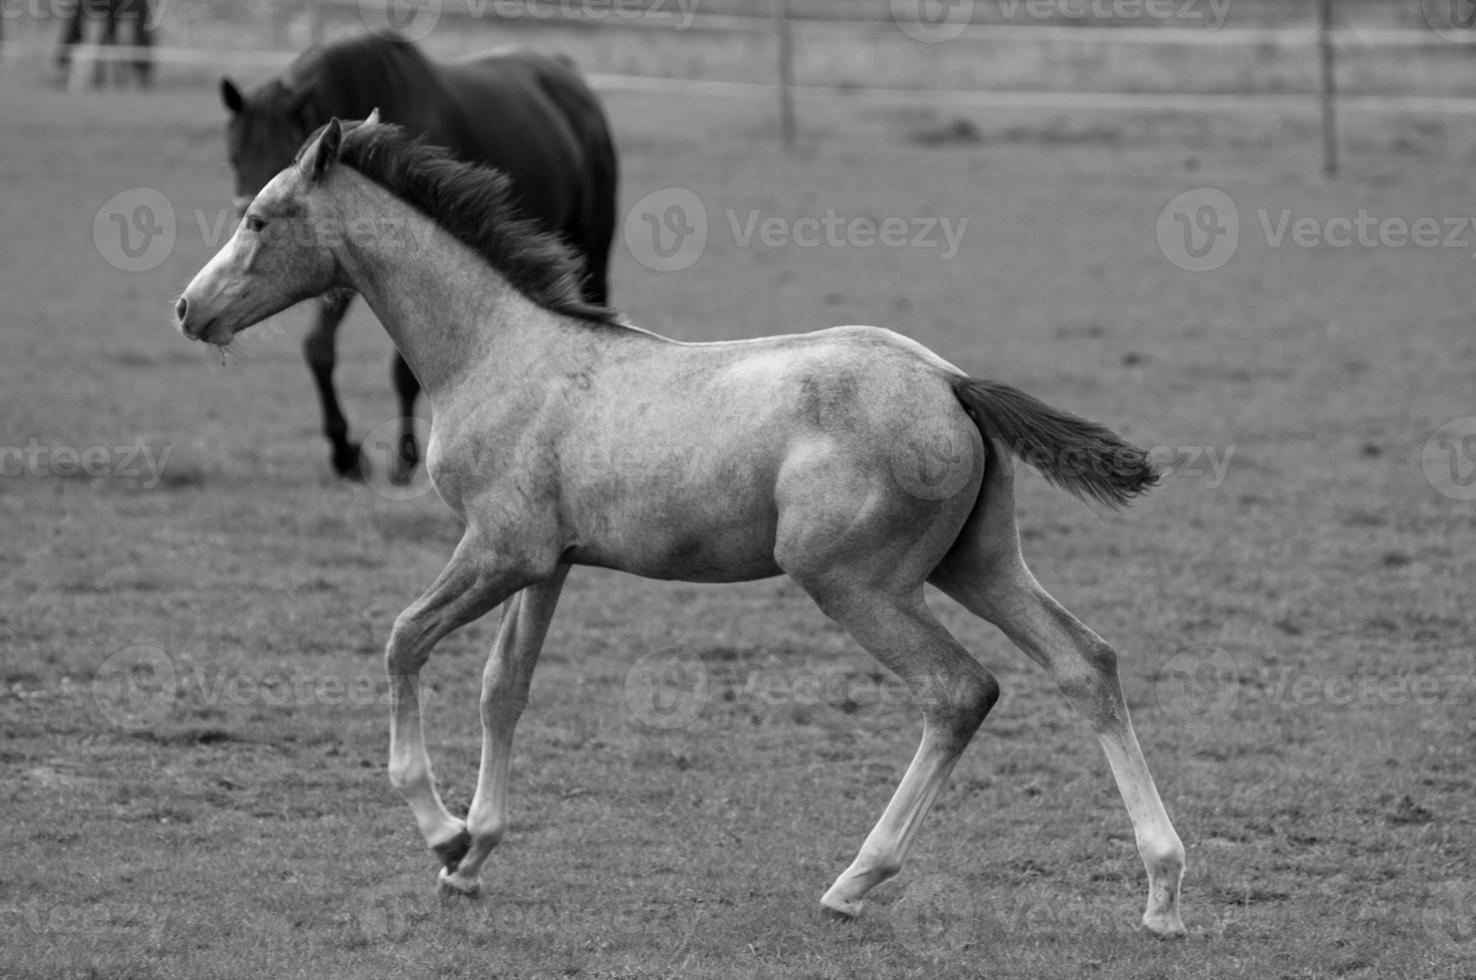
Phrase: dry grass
(251, 831)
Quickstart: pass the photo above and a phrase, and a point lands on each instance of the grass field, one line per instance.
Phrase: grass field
(1293, 606)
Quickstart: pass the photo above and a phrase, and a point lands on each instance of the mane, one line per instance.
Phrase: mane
(350, 77)
(476, 205)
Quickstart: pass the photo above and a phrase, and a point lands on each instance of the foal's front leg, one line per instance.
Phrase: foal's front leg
(468, 587)
(505, 683)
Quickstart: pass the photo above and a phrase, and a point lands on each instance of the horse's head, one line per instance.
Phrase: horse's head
(281, 253)
(265, 129)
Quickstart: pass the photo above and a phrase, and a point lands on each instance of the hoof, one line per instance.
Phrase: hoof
(351, 463)
(452, 884)
(452, 851)
(840, 909)
(1164, 926)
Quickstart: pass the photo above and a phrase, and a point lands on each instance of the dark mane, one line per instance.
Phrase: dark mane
(348, 78)
(475, 205)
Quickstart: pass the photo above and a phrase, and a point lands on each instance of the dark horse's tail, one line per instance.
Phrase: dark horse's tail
(1077, 455)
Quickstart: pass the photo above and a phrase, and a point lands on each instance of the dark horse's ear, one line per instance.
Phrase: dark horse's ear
(323, 154)
(231, 96)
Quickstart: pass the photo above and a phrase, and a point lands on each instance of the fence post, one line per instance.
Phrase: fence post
(786, 73)
(1329, 89)
(315, 21)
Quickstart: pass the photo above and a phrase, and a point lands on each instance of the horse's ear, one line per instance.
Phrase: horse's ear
(323, 154)
(230, 96)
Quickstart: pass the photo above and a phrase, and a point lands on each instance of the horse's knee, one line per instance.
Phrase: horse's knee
(1090, 682)
(403, 656)
(958, 702)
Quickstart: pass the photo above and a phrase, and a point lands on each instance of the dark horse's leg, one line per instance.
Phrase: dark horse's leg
(319, 349)
(408, 452)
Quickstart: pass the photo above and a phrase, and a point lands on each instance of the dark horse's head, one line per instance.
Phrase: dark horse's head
(265, 129)
(345, 78)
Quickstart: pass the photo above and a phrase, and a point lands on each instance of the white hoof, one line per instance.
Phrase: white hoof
(1165, 925)
(453, 883)
(841, 908)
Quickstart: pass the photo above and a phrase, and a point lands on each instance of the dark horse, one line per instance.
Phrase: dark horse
(528, 114)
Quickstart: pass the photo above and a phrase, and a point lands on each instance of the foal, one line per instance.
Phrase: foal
(737, 460)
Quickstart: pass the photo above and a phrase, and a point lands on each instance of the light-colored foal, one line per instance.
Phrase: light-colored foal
(562, 436)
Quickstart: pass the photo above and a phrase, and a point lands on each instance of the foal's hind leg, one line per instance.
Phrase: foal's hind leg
(986, 573)
(955, 694)
(505, 683)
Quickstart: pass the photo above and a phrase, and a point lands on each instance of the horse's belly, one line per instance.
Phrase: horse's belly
(717, 534)
(682, 560)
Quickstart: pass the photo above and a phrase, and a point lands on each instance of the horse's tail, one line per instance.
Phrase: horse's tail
(1080, 456)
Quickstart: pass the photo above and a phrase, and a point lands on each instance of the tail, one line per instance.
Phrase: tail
(1077, 455)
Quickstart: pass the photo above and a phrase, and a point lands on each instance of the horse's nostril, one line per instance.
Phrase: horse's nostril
(181, 308)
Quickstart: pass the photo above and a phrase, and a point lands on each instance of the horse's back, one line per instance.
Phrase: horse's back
(683, 460)
(531, 115)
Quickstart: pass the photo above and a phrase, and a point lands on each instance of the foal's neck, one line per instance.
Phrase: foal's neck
(446, 309)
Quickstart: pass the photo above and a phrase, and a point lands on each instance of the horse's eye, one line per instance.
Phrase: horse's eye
(255, 223)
